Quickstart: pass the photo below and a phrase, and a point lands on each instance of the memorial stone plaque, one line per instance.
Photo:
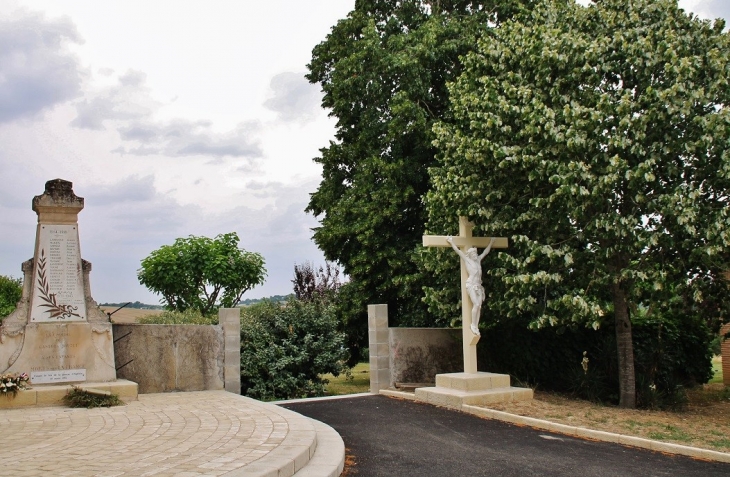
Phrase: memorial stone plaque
(57, 334)
(58, 291)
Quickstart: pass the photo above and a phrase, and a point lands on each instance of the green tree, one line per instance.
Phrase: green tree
(597, 139)
(383, 71)
(202, 273)
(11, 289)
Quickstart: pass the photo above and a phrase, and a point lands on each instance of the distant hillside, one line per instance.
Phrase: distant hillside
(275, 298)
(136, 304)
(144, 306)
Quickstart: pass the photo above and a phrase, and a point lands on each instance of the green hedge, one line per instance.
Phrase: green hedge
(670, 354)
(285, 349)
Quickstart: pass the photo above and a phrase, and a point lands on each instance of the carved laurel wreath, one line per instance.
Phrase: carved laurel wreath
(56, 310)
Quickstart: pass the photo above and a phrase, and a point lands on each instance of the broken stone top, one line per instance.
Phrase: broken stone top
(58, 204)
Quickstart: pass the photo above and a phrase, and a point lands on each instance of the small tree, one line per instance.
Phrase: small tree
(202, 273)
(11, 289)
(311, 284)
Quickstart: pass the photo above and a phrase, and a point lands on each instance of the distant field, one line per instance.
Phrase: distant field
(128, 315)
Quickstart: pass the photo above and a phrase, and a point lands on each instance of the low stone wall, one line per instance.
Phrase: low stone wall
(409, 355)
(166, 358)
(417, 355)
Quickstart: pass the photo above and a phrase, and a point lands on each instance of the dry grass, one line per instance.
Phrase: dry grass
(128, 315)
(705, 423)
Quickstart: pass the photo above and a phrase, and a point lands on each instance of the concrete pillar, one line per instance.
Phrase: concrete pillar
(230, 320)
(379, 348)
(725, 352)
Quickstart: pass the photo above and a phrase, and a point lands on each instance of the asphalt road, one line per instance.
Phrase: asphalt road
(392, 437)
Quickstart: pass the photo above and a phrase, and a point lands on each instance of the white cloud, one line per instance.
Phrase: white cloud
(128, 107)
(180, 137)
(127, 100)
(294, 98)
(37, 71)
(714, 9)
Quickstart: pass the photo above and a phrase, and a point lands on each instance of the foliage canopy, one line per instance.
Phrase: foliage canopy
(11, 290)
(597, 139)
(383, 71)
(202, 273)
(286, 349)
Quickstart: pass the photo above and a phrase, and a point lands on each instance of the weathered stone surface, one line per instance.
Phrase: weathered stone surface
(57, 333)
(165, 358)
(455, 390)
(52, 347)
(417, 355)
(58, 289)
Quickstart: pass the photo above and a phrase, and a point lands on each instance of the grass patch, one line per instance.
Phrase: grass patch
(358, 381)
(717, 370)
(670, 433)
(722, 444)
(631, 424)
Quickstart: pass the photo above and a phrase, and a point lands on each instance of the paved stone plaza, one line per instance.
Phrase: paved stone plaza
(208, 433)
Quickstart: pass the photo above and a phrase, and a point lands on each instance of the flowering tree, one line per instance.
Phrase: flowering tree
(597, 139)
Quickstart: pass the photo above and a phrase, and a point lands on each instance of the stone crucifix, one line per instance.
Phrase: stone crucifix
(466, 246)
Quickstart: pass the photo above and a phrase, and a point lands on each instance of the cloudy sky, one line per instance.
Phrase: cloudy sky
(171, 118)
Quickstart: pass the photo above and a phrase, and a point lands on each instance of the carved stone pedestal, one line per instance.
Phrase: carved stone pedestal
(453, 390)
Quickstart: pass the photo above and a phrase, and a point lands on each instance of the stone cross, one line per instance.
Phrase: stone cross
(465, 241)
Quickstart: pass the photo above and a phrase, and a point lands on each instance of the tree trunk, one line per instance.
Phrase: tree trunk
(625, 347)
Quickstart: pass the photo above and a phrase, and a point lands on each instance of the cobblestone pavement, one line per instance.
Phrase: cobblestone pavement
(174, 434)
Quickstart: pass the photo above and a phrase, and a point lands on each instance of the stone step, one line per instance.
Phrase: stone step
(472, 381)
(454, 390)
(329, 457)
(456, 398)
(52, 394)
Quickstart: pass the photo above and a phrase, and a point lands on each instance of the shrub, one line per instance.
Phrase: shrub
(670, 354)
(11, 289)
(285, 349)
(187, 317)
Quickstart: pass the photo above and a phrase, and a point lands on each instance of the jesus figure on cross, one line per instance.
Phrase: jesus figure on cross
(474, 286)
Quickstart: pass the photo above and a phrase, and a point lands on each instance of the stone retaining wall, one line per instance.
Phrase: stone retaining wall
(409, 355)
(167, 358)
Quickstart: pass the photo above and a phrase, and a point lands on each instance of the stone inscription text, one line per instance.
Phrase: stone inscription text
(58, 292)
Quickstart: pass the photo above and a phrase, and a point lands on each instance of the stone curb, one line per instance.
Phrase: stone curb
(323, 398)
(581, 432)
(329, 457)
(292, 454)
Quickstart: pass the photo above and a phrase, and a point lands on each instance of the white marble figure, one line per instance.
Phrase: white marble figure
(474, 286)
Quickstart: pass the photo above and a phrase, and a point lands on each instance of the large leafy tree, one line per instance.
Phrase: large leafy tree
(383, 71)
(597, 139)
(202, 273)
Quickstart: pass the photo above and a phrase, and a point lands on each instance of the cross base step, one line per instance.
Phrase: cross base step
(453, 390)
